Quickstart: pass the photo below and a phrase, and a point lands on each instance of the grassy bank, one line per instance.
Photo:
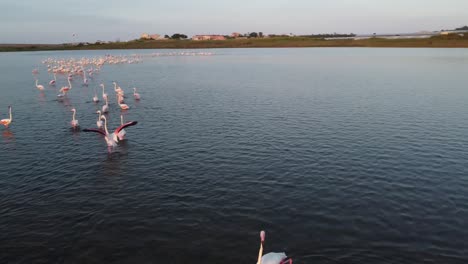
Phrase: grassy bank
(451, 41)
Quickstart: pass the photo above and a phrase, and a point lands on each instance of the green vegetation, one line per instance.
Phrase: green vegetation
(442, 41)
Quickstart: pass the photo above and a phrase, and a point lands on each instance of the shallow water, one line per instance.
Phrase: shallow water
(341, 155)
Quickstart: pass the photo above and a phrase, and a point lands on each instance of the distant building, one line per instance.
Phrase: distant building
(235, 34)
(208, 37)
(448, 32)
(148, 36)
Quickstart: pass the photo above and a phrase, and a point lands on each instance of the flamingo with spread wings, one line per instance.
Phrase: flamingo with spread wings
(111, 139)
(122, 132)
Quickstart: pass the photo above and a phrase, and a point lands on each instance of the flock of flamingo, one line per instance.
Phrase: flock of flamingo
(72, 68)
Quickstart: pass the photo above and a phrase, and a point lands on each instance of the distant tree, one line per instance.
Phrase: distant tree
(462, 28)
(166, 36)
(178, 36)
(260, 34)
(253, 35)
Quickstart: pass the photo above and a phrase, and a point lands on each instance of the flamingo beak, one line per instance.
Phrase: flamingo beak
(262, 236)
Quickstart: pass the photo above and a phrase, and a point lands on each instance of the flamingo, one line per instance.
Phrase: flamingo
(124, 106)
(104, 95)
(35, 71)
(272, 257)
(65, 89)
(135, 94)
(110, 138)
(120, 99)
(7, 121)
(85, 81)
(40, 87)
(105, 108)
(95, 97)
(118, 90)
(99, 122)
(74, 122)
(52, 82)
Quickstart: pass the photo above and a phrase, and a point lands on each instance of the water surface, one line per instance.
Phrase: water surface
(343, 155)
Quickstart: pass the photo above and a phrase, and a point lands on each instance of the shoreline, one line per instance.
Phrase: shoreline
(449, 41)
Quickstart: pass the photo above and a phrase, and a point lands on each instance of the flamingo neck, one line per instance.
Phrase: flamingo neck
(36, 82)
(11, 117)
(69, 83)
(74, 112)
(115, 86)
(105, 125)
(260, 253)
(121, 119)
(102, 89)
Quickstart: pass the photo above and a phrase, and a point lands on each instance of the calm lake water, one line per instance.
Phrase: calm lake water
(343, 155)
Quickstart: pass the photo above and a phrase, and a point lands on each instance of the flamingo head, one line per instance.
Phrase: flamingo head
(102, 85)
(9, 107)
(98, 112)
(262, 236)
(134, 88)
(73, 110)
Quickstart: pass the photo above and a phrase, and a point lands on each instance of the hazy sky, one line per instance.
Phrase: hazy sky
(51, 21)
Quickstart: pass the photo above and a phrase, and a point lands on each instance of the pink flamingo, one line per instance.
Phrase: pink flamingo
(7, 121)
(124, 106)
(99, 122)
(52, 82)
(271, 258)
(118, 90)
(104, 95)
(65, 89)
(40, 87)
(95, 97)
(35, 71)
(105, 108)
(120, 99)
(74, 122)
(135, 94)
(111, 139)
(85, 81)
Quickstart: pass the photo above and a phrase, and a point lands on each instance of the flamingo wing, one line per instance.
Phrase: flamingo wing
(132, 123)
(94, 130)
